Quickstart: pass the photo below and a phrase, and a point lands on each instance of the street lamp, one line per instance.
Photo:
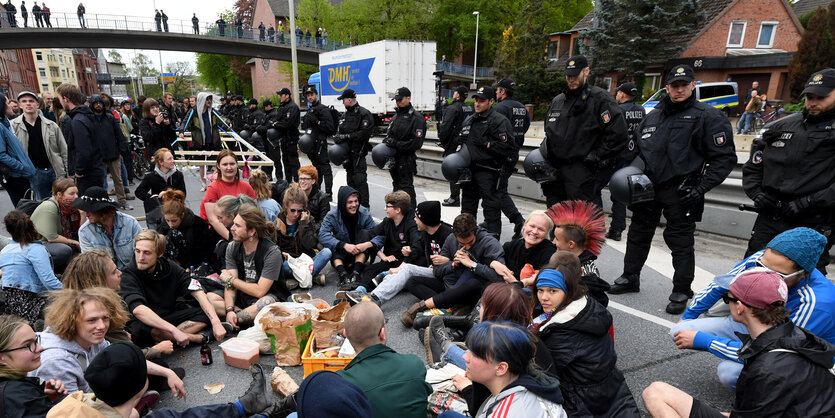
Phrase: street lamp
(475, 57)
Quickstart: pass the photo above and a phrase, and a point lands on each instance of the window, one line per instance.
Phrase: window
(45, 87)
(53, 72)
(63, 73)
(575, 48)
(653, 82)
(553, 47)
(39, 56)
(607, 83)
(767, 31)
(43, 72)
(736, 34)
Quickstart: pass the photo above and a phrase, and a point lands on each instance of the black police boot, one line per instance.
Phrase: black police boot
(678, 303)
(614, 234)
(625, 284)
(450, 201)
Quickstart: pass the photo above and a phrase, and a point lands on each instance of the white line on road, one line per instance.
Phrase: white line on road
(640, 314)
(662, 262)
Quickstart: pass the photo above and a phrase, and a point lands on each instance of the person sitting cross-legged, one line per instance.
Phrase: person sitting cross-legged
(787, 371)
(151, 287)
(106, 228)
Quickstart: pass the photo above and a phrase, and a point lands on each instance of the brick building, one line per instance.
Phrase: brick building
(740, 40)
(86, 67)
(17, 72)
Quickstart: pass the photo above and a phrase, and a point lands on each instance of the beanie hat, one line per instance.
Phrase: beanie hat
(327, 394)
(802, 245)
(759, 288)
(429, 212)
(117, 374)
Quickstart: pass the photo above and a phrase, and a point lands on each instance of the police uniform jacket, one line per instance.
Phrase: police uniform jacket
(583, 122)
(355, 128)
(241, 117)
(633, 114)
(795, 158)
(288, 120)
(517, 114)
(254, 119)
(406, 131)
(454, 117)
(489, 138)
(270, 117)
(678, 139)
(319, 120)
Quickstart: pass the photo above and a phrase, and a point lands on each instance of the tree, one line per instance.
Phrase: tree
(390, 19)
(141, 66)
(814, 51)
(183, 78)
(245, 9)
(535, 84)
(114, 56)
(630, 35)
(225, 72)
(315, 14)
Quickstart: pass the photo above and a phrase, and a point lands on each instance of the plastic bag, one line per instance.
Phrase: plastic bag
(256, 332)
(302, 268)
(288, 326)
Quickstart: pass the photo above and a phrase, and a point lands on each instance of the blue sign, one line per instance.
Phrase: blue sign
(347, 75)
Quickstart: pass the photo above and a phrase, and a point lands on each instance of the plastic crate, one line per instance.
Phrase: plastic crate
(315, 364)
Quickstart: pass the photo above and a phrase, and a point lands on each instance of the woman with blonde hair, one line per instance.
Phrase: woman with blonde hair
(264, 193)
(165, 176)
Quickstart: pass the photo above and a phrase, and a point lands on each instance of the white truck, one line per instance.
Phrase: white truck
(374, 71)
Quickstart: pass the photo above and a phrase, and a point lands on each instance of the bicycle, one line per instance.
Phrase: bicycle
(762, 118)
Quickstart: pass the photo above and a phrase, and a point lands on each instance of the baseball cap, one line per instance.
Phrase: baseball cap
(819, 84)
(759, 288)
(253, 102)
(462, 91)
(347, 94)
(628, 88)
(401, 93)
(681, 72)
(267, 102)
(485, 93)
(310, 89)
(283, 91)
(506, 84)
(27, 93)
(576, 64)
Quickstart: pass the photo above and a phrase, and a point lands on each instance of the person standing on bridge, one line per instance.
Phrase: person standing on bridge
(405, 134)
(355, 129)
(261, 32)
(271, 33)
(38, 14)
(164, 20)
(688, 149)
(791, 173)
(221, 27)
(195, 24)
(517, 114)
(11, 11)
(158, 20)
(24, 14)
(239, 27)
(80, 12)
(448, 131)
(46, 14)
(319, 121)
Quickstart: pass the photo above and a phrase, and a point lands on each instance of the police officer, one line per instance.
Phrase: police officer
(287, 123)
(355, 128)
(583, 126)
(633, 113)
(517, 114)
(319, 121)
(448, 132)
(688, 149)
(790, 175)
(271, 144)
(405, 135)
(490, 141)
(239, 123)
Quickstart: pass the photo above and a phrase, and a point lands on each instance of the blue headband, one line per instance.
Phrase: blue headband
(551, 278)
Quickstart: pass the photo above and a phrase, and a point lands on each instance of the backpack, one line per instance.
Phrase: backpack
(336, 117)
(28, 206)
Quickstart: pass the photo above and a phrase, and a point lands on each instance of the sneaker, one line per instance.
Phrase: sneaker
(320, 279)
(254, 399)
(344, 282)
(434, 338)
(354, 280)
(145, 403)
(379, 278)
(129, 196)
(450, 202)
(291, 284)
(125, 206)
(228, 327)
(356, 296)
(342, 294)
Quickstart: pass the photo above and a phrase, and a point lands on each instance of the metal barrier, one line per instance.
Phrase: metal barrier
(246, 152)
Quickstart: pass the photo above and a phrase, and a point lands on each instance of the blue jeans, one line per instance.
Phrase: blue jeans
(319, 262)
(745, 123)
(448, 414)
(41, 183)
(725, 327)
(217, 410)
(455, 355)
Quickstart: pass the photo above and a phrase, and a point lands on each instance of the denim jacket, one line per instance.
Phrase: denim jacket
(28, 268)
(119, 245)
(12, 154)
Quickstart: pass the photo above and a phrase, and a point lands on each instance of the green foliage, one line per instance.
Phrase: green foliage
(804, 20)
(364, 21)
(305, 71)
(815, 51)
(114, 56)
(537, 85)
(315, 14)
(225, 72)
(183, 81)
(796, 107)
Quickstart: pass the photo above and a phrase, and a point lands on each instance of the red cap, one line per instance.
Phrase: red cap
(759, 288)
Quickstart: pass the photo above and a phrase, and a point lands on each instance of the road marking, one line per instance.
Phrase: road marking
(662, 262)
(640, 314)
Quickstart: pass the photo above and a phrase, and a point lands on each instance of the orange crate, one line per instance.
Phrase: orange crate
(315, 364)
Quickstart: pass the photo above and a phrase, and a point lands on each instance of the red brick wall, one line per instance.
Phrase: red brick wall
(714, 40)
(266, 83)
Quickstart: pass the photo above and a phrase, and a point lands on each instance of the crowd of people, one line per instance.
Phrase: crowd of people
(93, 298)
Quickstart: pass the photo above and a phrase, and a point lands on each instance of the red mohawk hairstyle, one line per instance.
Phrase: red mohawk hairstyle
(584, 215)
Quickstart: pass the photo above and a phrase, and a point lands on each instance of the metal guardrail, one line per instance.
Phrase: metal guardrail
(452, 67)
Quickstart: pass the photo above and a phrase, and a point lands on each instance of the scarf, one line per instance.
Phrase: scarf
(70, 220)
(539, 321)
(165, 176)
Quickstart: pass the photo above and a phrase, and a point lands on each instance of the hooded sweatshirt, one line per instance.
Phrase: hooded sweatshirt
(484, 251)
(66, 361)
(339, 228)
(526, 397)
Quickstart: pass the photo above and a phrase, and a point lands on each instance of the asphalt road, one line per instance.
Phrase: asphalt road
(645, 351)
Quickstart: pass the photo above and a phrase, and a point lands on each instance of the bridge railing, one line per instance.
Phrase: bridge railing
(452, 67)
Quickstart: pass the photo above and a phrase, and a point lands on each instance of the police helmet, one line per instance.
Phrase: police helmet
(630, 185)
(381, 154)
(338, 153)
(456, 166)
(256, 140)
(273, 134)
(306, 142)
(245, 134)
(537, 168)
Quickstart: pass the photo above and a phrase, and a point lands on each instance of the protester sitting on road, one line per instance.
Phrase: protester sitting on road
(787, 369)
(580, 228)
(228, 183)
(165, 176)
(296, 236)
(345, 231)
(433, 234)
(811, 301)
(20, 353)
(95, 269)
(189, 241)
(226, 209)
(501, 357)
(27, 270)
(401, 240)
(526, 255)
(461, 280)
(318, 203)
(264, 194)
(77, 322)
(575, 328)
(253, 276)
(105, 227)
(57, 222)
(394, 383)
(152, 286)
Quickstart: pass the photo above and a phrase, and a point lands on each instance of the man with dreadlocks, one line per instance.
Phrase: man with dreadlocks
(580, 228)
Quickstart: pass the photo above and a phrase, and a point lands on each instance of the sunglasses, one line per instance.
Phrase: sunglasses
(727, 298)
(296, 210)
(783, 275)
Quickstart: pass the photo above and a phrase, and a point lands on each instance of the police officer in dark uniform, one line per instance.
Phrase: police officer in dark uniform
(405, 135)
(583, 127)
(272, 145)
(448, 132)
(355, 128)
(790, 175)
(490, 141)
(688, 149)
(633, 113)
(242, 115)
(254, 117)
(288, 127)
(517, 114)
(319, 121)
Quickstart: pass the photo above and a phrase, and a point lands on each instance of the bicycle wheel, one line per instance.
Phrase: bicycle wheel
(757, 124)
(140, 165)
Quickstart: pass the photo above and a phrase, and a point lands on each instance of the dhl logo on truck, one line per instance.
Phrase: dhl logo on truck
(347, 75)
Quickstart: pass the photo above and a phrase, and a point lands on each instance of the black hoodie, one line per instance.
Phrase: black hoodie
(84, 155)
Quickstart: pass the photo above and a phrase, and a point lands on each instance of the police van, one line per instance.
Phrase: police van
(722, 95)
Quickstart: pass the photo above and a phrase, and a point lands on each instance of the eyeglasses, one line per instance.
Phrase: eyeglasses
(305, 178)
(32, 346)
(783, 275)
(295, 210)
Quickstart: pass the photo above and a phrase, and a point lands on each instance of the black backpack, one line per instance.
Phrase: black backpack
(28, 206)
(336, 116)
